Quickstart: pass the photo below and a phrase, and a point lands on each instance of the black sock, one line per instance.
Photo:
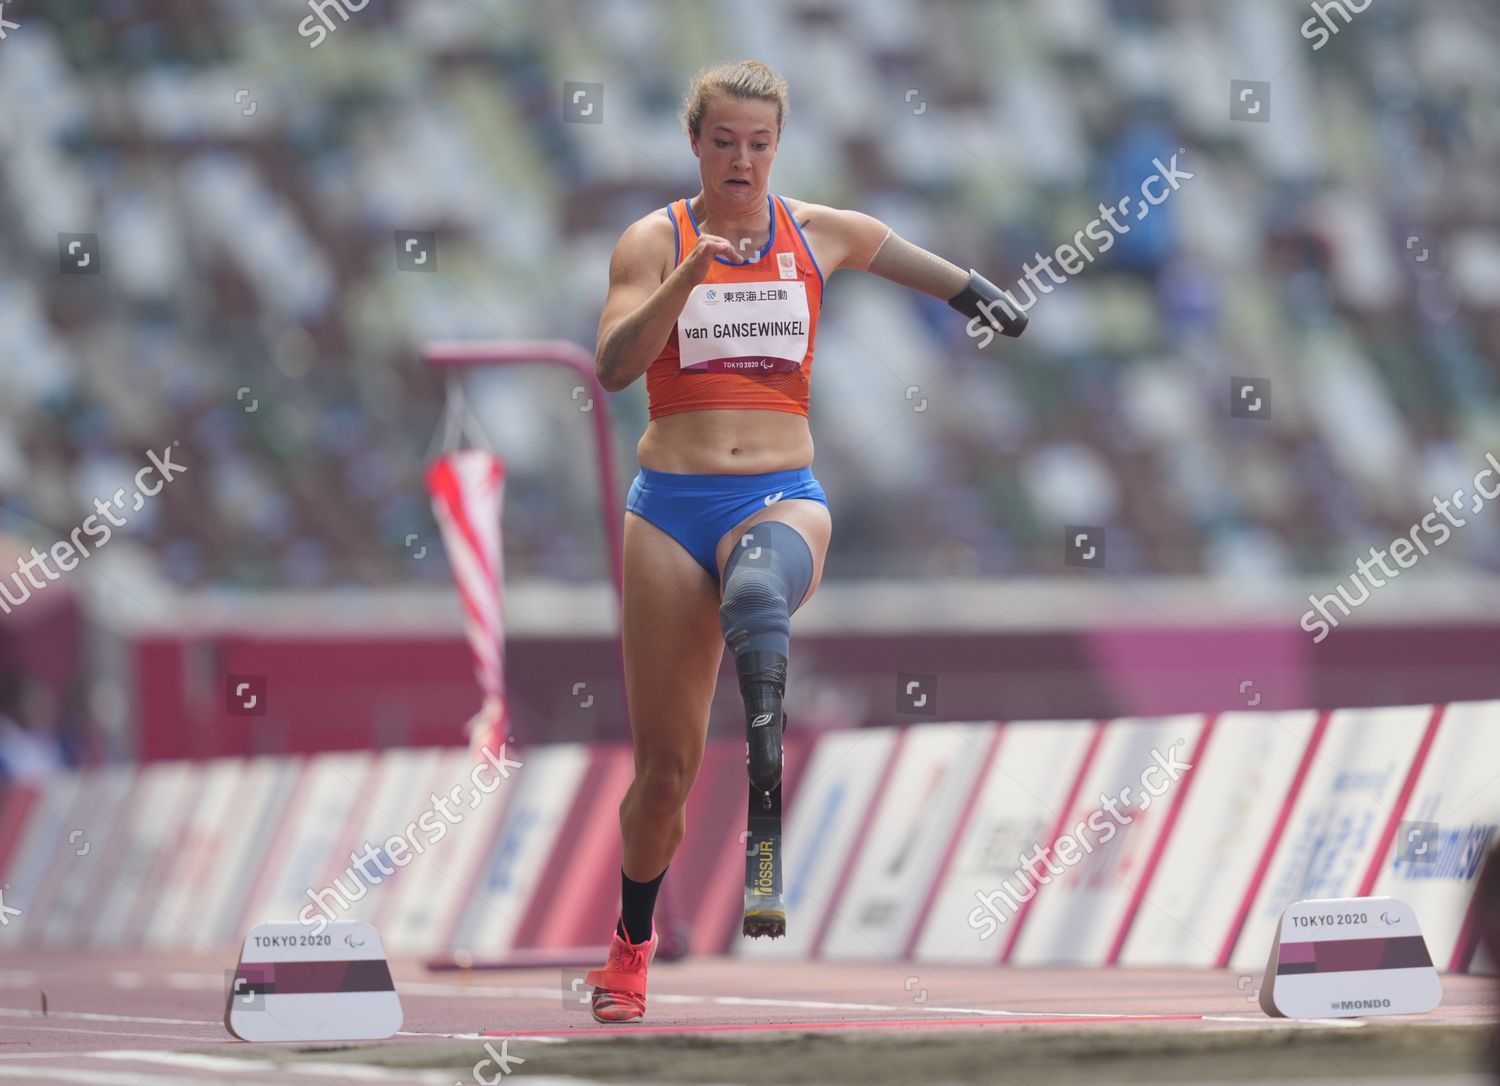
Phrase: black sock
(637, 903)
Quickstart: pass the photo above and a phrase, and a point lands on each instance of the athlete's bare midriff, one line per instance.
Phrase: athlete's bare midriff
(726, 442)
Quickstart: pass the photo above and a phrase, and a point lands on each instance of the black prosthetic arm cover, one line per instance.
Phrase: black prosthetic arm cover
(990, 304)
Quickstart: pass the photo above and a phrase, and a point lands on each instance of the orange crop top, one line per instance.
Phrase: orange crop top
(745, 336)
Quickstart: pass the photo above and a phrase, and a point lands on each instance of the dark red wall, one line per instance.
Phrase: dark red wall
(331, 694)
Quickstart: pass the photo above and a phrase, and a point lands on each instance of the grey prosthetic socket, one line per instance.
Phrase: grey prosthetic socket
(764, 582)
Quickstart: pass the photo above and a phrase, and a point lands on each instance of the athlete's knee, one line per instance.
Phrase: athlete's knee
(755, 601)
(766, 577)
(662, 783)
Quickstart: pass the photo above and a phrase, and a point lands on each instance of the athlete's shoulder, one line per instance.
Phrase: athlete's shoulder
(852, 235)
(651, 229)
(805, 212)
(650, 241)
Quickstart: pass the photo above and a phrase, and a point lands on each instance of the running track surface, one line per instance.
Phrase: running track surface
(101, 1007)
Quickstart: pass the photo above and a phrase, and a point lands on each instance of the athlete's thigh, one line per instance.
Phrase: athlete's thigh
(673, 644)
(812, 521)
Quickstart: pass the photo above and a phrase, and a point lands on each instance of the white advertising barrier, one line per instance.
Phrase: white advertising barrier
(360, 855)
(82, 857)
(453, 851)
(42, 845)
(500, 885)
(1086, 887)
(262, 797)
(916, 818)
(292, 985)
(1240, 782)
(189, 854)
(1277, 808)
(303, 848)
(1353, 784)
(831, 803)
(1448, 827)
(583, 874)
(141, 850)
(1348, 957)
(42, 894)
(1024, 787)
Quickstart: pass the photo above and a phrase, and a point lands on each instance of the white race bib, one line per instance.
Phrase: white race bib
(749, 328)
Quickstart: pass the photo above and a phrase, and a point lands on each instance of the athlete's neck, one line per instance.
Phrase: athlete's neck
(730, 222)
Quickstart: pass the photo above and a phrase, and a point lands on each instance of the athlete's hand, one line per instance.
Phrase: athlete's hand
(698, 262)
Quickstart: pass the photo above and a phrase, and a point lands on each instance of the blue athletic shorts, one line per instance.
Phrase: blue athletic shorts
(696, 510)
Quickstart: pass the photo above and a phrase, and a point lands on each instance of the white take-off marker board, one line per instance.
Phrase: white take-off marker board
(294, 985)
(1348, 957)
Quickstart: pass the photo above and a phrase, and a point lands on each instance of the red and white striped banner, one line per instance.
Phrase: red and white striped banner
(467, 486)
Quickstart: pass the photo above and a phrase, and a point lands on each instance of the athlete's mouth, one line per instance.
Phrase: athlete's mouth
(737, 181)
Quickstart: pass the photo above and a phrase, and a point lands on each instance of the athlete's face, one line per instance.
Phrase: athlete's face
(735, 145)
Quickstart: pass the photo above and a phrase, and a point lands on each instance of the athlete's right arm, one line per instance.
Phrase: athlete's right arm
(643, 304)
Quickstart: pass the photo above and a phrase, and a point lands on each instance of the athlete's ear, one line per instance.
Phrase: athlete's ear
(693, 142)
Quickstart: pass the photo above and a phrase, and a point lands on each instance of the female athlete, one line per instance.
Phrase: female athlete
(716, 299)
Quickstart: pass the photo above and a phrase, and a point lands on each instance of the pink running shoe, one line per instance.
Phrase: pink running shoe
(620, 987)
